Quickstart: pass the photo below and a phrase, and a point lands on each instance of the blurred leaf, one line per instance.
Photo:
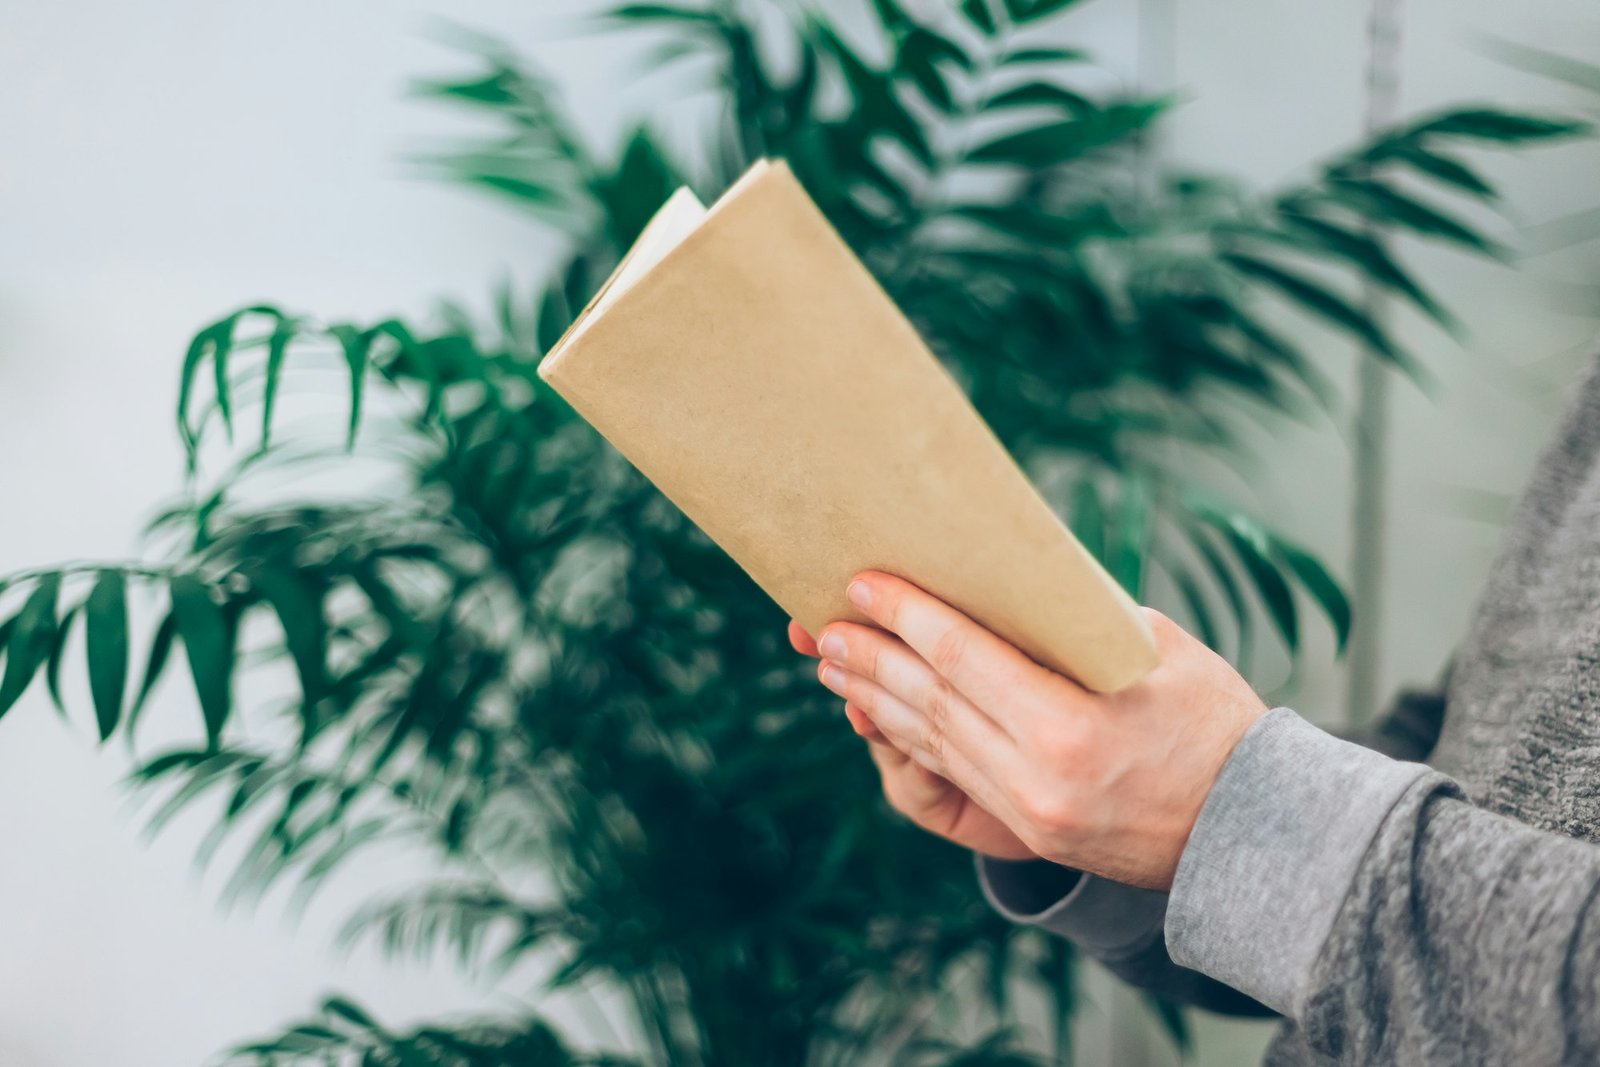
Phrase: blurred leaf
(1055, 143)
(1044, 55)
(1384, 204)
(978, 14)
(1322, 587)
(208, 641)
(1369, 255)
(297, 601)
(106, 626)
(1025, 11)
(1174, 1022)
(58, 648)
(1451, 172)
(1318, 300)
(1089, 518)
(31, 633)
(1503, 127)
(1045, 94)
(156, 662)
(661, 13)
(277, 352)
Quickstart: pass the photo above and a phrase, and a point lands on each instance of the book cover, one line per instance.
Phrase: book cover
(748, 364)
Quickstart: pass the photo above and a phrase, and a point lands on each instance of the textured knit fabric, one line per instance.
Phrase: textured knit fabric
(1444, 910)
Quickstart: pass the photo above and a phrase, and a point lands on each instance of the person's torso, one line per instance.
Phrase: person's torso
(1522, 722)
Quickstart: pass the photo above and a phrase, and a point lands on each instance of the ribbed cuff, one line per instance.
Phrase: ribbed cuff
(1273, 854)
(1104, 918)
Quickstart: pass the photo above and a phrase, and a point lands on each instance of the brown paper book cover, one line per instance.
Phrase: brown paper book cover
(746, 362)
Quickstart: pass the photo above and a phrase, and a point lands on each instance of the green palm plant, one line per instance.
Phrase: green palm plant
(510, 652)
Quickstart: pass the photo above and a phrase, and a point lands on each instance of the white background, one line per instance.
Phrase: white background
(163, 162)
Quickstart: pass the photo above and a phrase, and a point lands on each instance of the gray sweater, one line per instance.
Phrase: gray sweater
(1430, 897)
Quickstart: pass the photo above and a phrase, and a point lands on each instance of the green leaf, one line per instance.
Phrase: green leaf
(1055, 143)
(216, 343)
(978, 14)
(356, 345)
(1501, 127)
(661, 13)
(199, 348)
(348, 1011)
(878, 107)
(1173, 1021)
(1089, 517)
(643, 181)
(58, 648)
(106, 639)
(155, 663)
(1318, 300)
(297, 600)
(496, 89)
(1385, 205)
(28, 645)
(1044, 55)
(1131, 535)
(1254, 548)
(1450, 171)
(207, 635)
(918, 58)
(1368, 255)
(554, 318)
(1037, 227)
(1322, 586)
(1222, 575)
(1041, 94)
(1194, 600)
(1026, 11)
(527, 190)
(891, 15)
(277, 353)
(939, 48)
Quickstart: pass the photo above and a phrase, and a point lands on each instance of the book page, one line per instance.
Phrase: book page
(680, 216)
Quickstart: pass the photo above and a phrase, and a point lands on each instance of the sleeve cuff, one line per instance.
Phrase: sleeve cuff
(1104, 918)
(1274, 852)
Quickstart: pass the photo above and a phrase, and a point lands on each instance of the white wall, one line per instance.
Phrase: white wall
(163, 162)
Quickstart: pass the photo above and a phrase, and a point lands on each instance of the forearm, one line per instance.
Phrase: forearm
(1392, 920)
(1039, 892)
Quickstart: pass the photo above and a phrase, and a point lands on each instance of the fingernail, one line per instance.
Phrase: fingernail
(859, 594)
(833, 678)
(832, 646)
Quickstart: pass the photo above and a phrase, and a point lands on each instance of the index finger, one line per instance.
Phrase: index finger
(801, 641)
(988, 670)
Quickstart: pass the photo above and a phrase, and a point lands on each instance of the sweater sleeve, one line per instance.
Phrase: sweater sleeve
(1122, 927)
(1366, 899)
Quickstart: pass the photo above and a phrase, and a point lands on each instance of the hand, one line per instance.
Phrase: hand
(927, 799)
(1109, 784)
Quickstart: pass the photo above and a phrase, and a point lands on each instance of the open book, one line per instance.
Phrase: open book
(748, 364)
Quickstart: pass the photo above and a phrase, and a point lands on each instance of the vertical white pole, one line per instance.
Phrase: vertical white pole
(1369, 511)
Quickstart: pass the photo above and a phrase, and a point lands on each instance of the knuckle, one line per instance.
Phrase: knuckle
(1052, 812)
(869, 654)
(933, 741)
(1167, 633)
(1062, 747)
(948, 652)
(940, 700)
